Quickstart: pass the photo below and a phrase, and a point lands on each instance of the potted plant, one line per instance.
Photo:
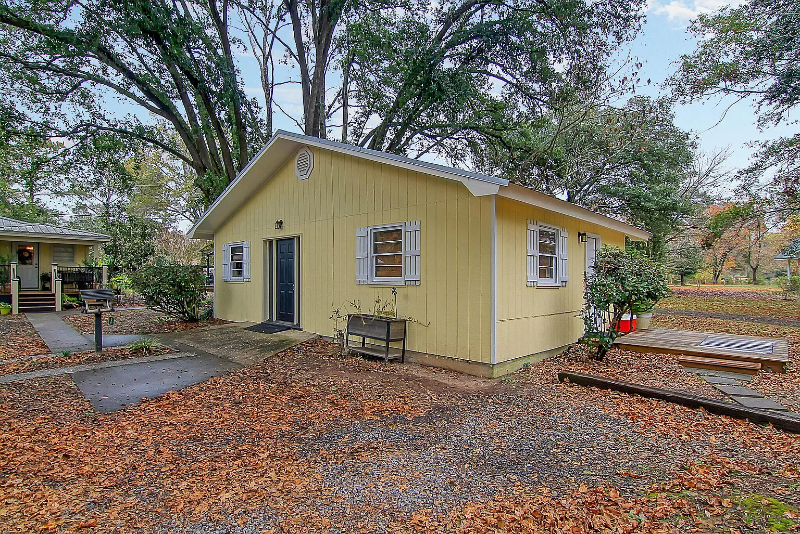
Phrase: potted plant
(5, 308)
(644, 314)
(45, 278)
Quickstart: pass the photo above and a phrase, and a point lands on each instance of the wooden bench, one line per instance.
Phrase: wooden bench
(719, 364)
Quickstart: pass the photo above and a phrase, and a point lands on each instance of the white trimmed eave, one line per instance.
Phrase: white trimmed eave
(283, 146)
(52, 238)
(534, 198)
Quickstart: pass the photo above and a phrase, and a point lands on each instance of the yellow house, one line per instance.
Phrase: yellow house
(33, 252)
(489, 273)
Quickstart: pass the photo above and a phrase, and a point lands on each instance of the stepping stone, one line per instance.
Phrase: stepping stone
(759, 403)
(735, 376)
(711, 379)
(738, 391)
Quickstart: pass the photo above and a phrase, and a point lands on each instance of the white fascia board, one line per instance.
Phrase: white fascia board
(50, 238)
(534, 198)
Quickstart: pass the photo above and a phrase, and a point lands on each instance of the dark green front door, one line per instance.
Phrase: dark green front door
(286, 281)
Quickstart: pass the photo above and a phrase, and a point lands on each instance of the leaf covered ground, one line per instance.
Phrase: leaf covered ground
(135, 321)
(53, 361)
(18, 338)
(307, 441)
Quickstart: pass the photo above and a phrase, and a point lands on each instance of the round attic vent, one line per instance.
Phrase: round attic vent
(303, 163)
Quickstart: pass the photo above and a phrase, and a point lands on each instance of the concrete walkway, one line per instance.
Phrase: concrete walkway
(57, 334)
(18, 377)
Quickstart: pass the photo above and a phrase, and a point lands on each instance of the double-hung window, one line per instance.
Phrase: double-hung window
(548, 255)
(388, 254)
(386, 265)
(547, 259)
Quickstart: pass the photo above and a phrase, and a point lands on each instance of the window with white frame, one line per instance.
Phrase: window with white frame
(548, 255)
(236, 262)
(388, 254)
(547, 259)
(63, 253)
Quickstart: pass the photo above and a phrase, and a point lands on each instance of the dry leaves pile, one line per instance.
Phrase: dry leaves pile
(306, 441)
(55, 361)
(136, 321)
(18, 338)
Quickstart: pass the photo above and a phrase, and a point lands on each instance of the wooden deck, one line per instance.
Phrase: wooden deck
(688, 342)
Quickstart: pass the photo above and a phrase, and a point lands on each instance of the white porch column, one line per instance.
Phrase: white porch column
(56, 284)
(104, 282)
(14, 289)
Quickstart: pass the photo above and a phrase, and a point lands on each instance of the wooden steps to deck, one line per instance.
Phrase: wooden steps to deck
(37, 301)
(720, 364)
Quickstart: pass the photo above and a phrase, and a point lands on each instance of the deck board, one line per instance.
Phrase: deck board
(687, 342)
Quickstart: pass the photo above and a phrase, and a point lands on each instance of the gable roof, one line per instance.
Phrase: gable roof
(791, 251)
(283, 145)
(29, 230)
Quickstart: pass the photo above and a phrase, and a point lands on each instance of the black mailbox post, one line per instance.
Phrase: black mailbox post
(97, 301)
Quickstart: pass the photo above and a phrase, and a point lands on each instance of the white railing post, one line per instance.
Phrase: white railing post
(104, 282)
(55, 281)
(14, 289)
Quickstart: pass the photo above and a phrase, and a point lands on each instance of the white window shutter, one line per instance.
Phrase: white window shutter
(411, 253)
(532, 266)
(362, 255)
(226, 263)
(563, 256)
(246, 261)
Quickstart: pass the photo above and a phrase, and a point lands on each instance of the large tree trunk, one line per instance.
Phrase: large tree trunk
(683, 280)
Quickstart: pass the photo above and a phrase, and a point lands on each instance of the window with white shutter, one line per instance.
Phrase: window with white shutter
(411, 251)
(236, 262)
(533, 252)
(226, 263)
(563, 256)
(389, 254)
(547, 255)
(362, 256)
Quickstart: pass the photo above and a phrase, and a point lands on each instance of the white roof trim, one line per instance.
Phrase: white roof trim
(534, 198)
(284, 146)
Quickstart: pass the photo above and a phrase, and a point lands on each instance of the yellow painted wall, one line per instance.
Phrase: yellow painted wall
(342, 194)
(535, 319)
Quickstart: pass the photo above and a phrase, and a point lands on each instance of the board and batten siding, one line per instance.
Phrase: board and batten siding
(451, 308)
(531, 320)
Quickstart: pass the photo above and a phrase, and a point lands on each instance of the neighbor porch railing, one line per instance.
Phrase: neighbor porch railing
(82, 277)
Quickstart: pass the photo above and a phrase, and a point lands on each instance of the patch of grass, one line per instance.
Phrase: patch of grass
(737, 306)
(65, 353)
(146, 345)
(772, 513)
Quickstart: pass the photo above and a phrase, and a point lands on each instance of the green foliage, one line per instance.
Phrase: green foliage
(5, 305)
(174, 289)
(622, 278)
(686, 260)
(752, 52)
(121, 283)
(68, 301)
(146, 345)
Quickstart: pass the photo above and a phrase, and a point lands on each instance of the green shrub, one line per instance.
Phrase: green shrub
(121, 283)
(622, 279)
(174, 289)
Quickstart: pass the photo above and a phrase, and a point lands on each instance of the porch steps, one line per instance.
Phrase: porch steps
(37, 302)
(720, 364)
